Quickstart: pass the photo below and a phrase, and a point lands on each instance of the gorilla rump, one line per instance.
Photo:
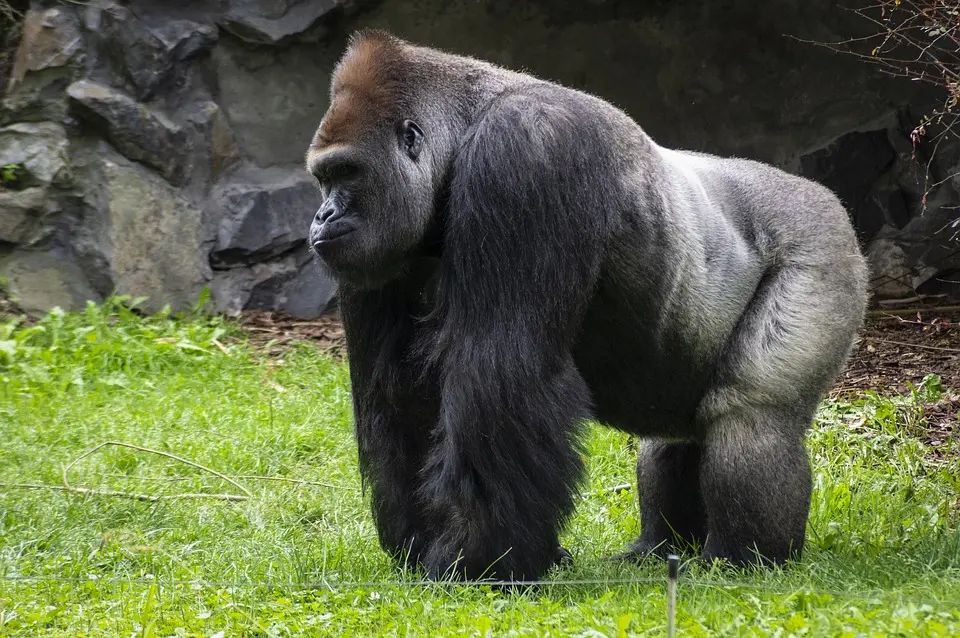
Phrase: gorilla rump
(515, 258)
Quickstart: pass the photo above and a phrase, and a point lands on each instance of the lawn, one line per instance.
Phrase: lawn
(270, 535)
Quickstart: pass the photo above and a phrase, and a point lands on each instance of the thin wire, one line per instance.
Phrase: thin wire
(334, 585)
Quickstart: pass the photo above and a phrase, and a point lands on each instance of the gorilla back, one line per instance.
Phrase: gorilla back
(514, 258)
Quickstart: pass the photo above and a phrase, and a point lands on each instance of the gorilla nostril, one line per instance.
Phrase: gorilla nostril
(327, 212)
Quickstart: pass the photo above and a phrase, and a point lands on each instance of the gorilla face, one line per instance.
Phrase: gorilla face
(377, 197)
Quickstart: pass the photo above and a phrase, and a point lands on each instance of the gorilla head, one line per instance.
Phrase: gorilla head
(376, 164)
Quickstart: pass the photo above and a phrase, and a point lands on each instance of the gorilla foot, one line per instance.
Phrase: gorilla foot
(642, 550)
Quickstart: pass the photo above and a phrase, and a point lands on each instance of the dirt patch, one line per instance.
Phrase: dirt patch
(897, 349)
(276, 332)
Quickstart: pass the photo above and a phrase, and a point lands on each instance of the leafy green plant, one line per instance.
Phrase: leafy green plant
(12, 176)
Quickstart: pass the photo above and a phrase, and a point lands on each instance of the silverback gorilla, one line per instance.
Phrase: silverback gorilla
(515, 258)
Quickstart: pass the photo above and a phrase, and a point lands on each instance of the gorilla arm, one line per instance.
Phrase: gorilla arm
(521, 254)
(394, 410)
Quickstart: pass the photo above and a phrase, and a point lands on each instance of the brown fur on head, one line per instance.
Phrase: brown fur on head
(366, 88)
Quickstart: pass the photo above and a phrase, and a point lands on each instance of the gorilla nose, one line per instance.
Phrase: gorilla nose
(328, 212)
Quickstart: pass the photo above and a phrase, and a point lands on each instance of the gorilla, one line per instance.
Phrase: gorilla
(515, 258)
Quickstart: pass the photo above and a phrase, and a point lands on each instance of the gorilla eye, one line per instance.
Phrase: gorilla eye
(412, 138)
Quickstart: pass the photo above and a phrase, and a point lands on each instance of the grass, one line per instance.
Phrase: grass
(883, 556)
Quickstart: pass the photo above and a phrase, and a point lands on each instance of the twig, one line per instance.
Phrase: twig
(249, 477)
(66, 469)
(912, 311)
(148, 498)
(915, 345)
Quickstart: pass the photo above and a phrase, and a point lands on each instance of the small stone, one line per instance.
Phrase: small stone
(21, 216)
(40, 148)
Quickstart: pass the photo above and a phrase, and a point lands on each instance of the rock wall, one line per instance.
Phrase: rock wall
(154, 148)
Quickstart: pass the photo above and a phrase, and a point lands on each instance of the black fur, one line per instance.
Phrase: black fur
(539, 261)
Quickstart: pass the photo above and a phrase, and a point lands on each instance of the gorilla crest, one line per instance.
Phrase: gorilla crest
(515, 258)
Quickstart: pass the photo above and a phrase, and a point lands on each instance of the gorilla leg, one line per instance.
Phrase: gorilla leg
(756, 483)
(671, 509)
(790, 343)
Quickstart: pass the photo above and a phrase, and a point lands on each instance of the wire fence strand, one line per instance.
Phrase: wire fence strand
(682, 583)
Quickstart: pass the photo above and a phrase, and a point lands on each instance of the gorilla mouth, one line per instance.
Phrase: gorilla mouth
(329, 234)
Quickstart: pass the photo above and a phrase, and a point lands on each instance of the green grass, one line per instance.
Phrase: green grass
(883, 555)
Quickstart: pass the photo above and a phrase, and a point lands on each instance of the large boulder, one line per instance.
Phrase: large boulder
(155, 243)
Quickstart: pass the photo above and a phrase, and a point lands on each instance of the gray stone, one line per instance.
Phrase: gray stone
(138, 132)
(151, 53)
(263, 214)
(307, 294)
(38, 156)
(40, 281)
(273, 107)
(292, 284)
(22, 214)
(155, 243)
(51, 39)
(273, 21)
(891, 276)
(220, 143)
(297, 287)
(41, 148)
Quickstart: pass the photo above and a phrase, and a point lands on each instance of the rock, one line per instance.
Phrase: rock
(307, 294)
(41, 149)
(293, 284)
(262, 214)
(274, 21)
(51, 39)
(151, 52)
(22, 214)
(138, 132)
(273, 108)
(849, 166)
(220, 142)
(890, 274)
(40, 281)
(35, 159)
(155, 238)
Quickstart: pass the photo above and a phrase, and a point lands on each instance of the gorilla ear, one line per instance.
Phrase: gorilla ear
(412, 138)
